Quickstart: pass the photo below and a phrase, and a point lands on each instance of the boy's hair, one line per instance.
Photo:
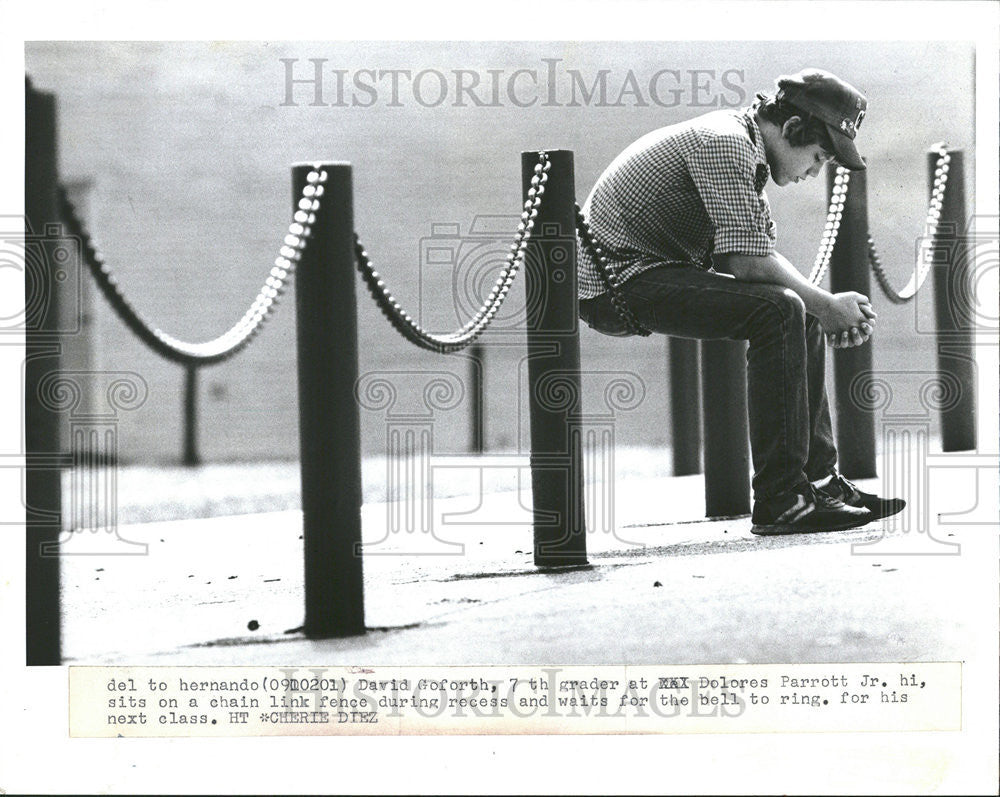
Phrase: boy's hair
(811, 130)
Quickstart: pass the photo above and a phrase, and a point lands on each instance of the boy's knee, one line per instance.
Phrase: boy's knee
(790, 307)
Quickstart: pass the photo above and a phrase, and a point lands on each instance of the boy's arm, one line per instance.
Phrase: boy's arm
(846, 317)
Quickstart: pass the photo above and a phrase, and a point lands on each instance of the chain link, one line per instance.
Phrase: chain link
(927, 242)
(610, 277)
(243, 331)
(447, 343)
(835, 213)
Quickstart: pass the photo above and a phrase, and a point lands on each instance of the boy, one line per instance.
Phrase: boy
(682, 218)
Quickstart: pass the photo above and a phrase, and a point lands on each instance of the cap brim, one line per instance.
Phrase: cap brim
(845, 151)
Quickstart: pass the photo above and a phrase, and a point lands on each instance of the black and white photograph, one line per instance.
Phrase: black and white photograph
(581, 378)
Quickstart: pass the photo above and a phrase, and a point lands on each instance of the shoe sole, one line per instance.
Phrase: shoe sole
(783, 528)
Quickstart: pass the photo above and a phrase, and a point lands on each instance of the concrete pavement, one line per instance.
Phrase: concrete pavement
(664, 587)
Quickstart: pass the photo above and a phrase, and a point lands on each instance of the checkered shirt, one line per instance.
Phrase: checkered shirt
(678, 195)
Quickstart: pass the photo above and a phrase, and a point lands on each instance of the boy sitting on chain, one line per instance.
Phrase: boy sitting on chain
(684, 228)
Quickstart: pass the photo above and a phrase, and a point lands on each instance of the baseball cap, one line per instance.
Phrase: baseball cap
(839, 105)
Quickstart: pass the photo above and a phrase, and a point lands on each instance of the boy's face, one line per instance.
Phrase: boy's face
(790, 164)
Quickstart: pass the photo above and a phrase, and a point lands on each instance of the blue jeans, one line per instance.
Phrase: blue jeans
(791, 439)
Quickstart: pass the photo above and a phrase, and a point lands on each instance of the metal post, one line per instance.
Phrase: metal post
(849, 271)
(477, 378)
(191, 456)
(727, 430)
(953, 310)
(43, 489)
(329, 424)
(685, 400)
(554, 368)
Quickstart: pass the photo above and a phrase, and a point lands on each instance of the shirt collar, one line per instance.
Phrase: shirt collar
(748, 117)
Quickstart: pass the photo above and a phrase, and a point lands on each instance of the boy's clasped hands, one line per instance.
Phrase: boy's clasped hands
(853, 318)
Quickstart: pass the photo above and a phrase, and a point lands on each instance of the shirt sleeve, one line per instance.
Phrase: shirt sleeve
(723, 170)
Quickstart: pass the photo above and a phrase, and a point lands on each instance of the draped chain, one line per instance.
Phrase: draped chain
(237, 337)
(450, 342)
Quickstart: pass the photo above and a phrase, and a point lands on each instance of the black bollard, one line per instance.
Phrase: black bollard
(554, 368)
(329, 423)
(43, 488)
(727, 429)
(849, 271)
(685, 400)
(191, 456)
(477, 380)
(953, 308)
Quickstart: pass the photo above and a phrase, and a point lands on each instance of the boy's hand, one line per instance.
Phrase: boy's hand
(855, 336)
(850, 319)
